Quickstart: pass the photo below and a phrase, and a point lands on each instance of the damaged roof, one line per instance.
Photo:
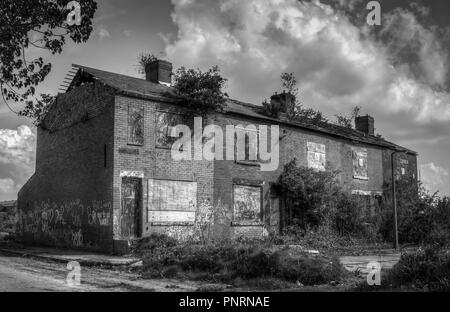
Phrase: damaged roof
(142, 88)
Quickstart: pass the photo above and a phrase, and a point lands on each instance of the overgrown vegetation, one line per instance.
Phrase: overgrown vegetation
(348, 121)
(427, 269)
(298, 112)
(315, 199)
(423, 218)
(302, 114)
(201, 92)
(235, 262)
(143, 60)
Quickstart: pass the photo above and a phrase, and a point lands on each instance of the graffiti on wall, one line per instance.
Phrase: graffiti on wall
(64, 221)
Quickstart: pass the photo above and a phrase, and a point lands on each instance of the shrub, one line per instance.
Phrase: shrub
(308, 194)
(423, 218)
(200, 91)
(426, 268)
(232, 261)
(153, 242)
(347, 216)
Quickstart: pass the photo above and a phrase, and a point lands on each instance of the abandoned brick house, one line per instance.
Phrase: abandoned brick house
(104, 173)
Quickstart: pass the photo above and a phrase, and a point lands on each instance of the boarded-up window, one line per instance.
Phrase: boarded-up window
(165, 122)
(360, 168)
(402, 167)
(247, 204)
(316, 156)
(135, 125)
(171, 201)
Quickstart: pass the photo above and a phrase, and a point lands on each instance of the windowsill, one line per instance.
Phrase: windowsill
(246, 223)
(248, 163)
(361, 178)
(169, 223)
(168, 148)
(136, 145)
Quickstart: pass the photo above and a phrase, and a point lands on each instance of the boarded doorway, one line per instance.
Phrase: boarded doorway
(130, 221)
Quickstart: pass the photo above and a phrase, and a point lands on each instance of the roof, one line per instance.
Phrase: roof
(142, 88)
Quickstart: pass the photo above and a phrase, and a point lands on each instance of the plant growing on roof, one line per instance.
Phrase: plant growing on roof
(299, 112)
(201, 92)
(347, 121)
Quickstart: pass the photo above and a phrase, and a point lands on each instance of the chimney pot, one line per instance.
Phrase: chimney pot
(159, 71)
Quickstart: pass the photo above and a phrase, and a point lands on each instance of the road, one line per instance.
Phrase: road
(20, 274)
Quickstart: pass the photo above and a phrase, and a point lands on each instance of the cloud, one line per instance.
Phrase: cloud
(435, 178)
(127, 33)
(7, 186)
(338, 64)
(103, 33)
(409, 40)
(17, 155)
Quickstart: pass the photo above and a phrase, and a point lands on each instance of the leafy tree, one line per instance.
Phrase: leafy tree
(38, 24)
(202, 92)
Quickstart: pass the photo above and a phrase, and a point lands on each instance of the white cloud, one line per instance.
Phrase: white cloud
(17, 154)
(7, 186)
(103, 33)
(407, 38)
(435, 178)
(337, 64)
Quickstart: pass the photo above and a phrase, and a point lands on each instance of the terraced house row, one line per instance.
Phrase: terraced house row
(104, 172)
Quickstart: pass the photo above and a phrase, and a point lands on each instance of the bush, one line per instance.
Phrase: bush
(423, 218)
(308, 194)
(232, 261)
(314, 199)
(424, 269)
(200, 91)
(153, 242)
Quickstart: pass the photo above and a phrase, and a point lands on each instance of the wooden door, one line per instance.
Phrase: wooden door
(130, 222)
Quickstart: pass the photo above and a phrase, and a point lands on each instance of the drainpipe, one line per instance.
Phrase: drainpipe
(394, 198)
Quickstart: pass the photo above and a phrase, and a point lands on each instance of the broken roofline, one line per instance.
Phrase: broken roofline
(162, 94)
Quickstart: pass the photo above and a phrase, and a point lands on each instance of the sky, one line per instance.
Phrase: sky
(397, 72)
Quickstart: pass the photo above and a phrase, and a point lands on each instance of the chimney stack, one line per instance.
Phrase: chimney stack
(365, 124)
(159, 71)
(286, 102)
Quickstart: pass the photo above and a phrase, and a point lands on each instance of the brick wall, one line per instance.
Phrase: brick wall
(67, 202)
(293, 144)
(150, 162)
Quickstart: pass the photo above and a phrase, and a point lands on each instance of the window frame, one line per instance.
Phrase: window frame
(260, 220)
(308, 144)
(157, 145)
(141, 108)
(356, 151)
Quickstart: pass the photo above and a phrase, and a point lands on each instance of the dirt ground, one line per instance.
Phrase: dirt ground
(25, 274)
